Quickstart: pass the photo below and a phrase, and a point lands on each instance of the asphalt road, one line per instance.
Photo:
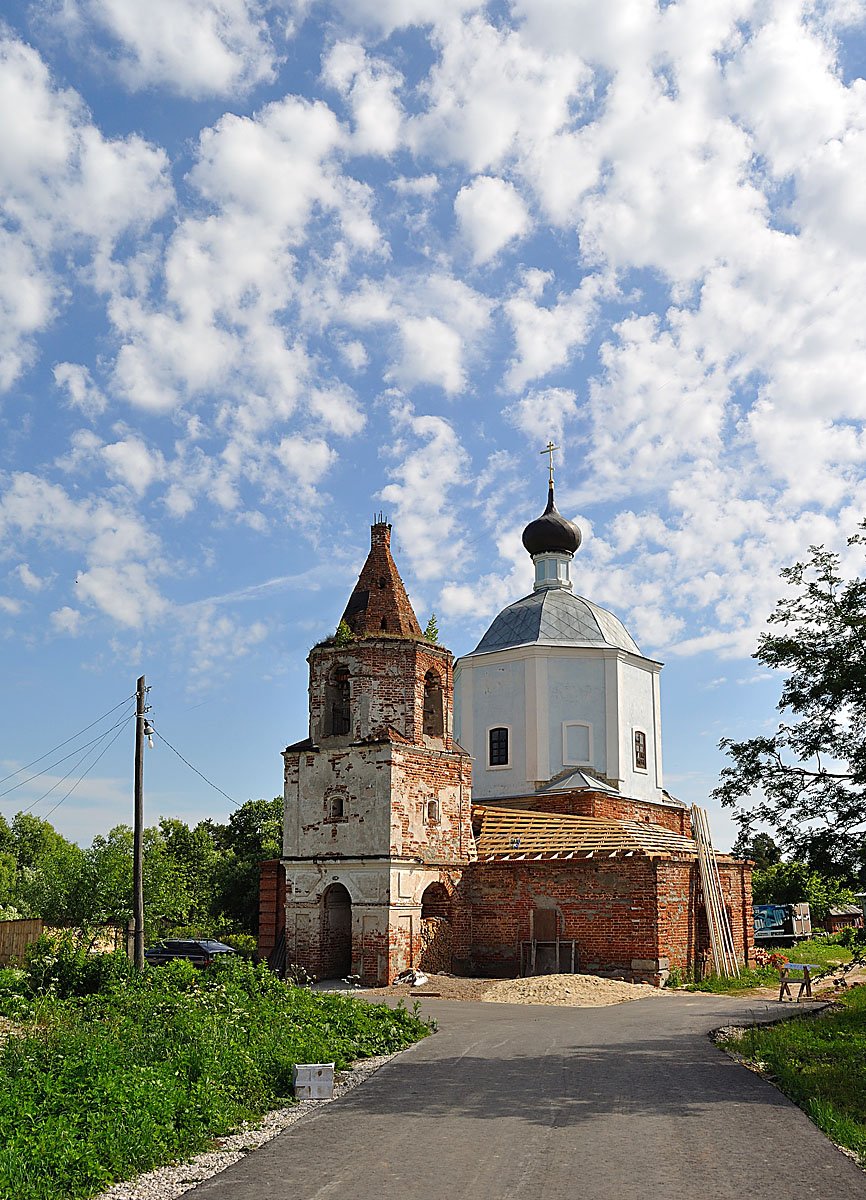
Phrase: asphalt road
(630, 1102)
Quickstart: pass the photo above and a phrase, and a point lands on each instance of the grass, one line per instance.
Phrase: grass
(825, 954)
(153, 1067)
(820, 1063)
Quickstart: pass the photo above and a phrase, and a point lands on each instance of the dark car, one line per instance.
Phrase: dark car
(200, 953)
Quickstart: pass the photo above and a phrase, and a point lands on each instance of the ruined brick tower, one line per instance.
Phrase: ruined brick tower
(377, 798)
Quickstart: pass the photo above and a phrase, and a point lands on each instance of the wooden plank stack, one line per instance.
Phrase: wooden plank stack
(721, 937)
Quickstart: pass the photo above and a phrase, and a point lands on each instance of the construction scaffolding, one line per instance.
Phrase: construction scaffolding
(721, 937)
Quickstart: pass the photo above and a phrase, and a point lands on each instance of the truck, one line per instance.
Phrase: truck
(781, 924)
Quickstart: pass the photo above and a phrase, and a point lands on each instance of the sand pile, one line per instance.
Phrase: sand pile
(583, 991)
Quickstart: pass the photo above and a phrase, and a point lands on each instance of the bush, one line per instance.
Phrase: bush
(60, 964)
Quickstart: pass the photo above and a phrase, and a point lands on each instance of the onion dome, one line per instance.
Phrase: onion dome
(551, 533)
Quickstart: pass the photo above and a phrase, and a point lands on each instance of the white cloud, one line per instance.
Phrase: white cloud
(194, 47)
(130, 462)
(431, 352)
(430, 464)
(544, 414)
(337, 407)
(369, 87)
(545, 336)
(78, 383)
(123, 591)
(66, 620)
(306, 459)
(62, 184)
(9, 606)
(490, 213)
(32, 581)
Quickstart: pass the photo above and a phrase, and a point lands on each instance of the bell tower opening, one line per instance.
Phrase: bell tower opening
(434, 711)
(338, 703)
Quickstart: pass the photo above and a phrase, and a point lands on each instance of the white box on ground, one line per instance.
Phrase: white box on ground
(313, 1081)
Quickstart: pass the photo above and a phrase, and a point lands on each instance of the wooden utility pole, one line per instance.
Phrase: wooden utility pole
(138, 829)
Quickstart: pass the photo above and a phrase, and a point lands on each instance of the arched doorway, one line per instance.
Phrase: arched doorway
(336, 933)
(436, 929)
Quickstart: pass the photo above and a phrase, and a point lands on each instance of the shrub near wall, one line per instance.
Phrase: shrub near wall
(155, 1066)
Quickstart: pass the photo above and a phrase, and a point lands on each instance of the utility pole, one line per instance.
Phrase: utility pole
(138, 828)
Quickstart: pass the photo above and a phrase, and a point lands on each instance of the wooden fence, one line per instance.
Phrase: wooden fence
(16, 936)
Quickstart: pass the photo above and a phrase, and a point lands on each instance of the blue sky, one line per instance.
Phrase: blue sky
(271, 267)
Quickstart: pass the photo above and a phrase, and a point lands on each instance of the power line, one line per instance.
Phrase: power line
(58, 761)
(60, 746)
(209, 782)
(85, 773)
(118, 726)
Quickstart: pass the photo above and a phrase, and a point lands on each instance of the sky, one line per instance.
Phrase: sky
(271, 267)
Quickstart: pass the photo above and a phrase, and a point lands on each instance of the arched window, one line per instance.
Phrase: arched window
(434, 717)
(336, 806)
(432, 812)
(497, 747)
(338, 715)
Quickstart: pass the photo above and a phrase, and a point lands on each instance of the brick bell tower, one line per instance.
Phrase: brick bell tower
(377, 822)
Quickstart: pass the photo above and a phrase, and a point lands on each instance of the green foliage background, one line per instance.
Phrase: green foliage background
(201, 879)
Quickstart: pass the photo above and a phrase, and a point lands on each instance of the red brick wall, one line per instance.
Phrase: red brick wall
(683, 932)
(421, 775)
(272, 905)
(607, 908)
(386, 677)
(607, 807)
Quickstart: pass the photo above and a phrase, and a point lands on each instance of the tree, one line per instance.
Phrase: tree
(797, 883)
(431, 633)
(254, 833)
(807, 780)
(759, 847)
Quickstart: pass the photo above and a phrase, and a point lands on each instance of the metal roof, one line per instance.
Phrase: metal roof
(555, 616)
(512, 835)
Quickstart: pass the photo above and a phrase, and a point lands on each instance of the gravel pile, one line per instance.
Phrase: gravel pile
(582, 991)
(167, 1182)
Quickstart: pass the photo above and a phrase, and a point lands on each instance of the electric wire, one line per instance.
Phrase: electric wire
(58, 761)
(60, 746)
(195, 770)
(118, 726)
(85, 773)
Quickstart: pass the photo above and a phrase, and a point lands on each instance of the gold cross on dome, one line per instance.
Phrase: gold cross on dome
(549, 449)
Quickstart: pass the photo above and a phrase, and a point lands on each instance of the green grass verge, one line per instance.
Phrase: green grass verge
(826, 955)
(820, 1063)
(153, 1067)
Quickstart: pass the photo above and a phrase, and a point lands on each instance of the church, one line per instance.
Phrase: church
(501, 815)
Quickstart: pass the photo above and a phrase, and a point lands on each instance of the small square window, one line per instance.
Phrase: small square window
(640, 750)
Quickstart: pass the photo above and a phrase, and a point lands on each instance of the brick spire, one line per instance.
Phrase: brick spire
(379, 603)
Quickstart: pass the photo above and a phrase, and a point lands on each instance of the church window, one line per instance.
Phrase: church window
(432, 812)
(383, 624)
(497, 747)
(434, 718)
(336, 806)
(338, 717)
(576, 743)
(640, 758)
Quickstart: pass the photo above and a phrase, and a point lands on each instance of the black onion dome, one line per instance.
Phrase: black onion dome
(551, 532)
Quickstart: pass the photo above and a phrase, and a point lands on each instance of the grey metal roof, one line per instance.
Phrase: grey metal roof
(555, 616)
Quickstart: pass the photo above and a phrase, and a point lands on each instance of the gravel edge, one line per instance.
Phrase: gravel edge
(165, 1183)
